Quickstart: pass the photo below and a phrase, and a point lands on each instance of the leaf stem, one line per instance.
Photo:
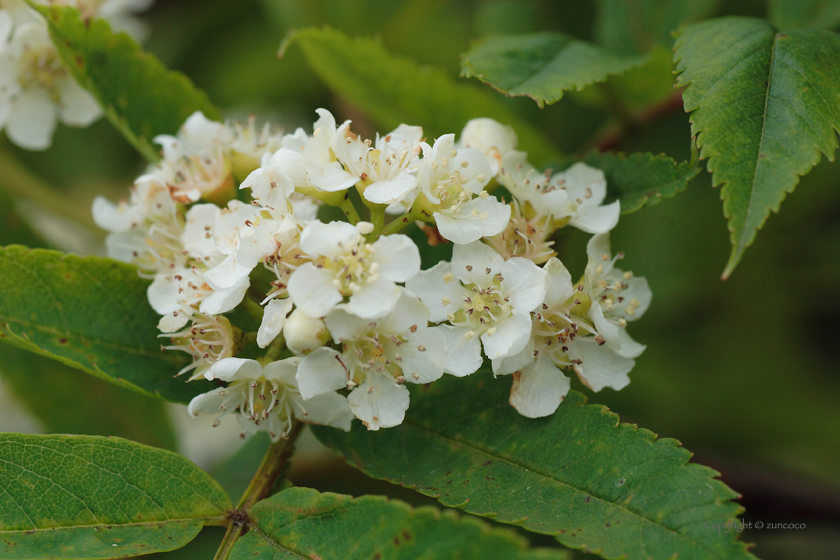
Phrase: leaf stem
(272, 466)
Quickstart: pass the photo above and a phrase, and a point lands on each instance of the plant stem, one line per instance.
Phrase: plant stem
(253, 308)
(234, 531)
(272, 466)
(377, 218)
(349, 210)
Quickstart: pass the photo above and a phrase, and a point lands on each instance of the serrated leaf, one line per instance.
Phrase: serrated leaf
(90, 313)
(542, 66)
(303, 523)
(579, 475)
(140, 96)
(96, 497)
(763, 106)
(634, 26)
(393, 89)
(786, 14)
(640, 179)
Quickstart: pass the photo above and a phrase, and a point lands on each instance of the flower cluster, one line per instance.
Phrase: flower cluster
(346, 316)
(36, 88)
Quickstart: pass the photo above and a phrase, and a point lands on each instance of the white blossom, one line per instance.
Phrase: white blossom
(453, 181)
(484, 298)
(267, 398)
(377, 358)
(385, 169)
(491, 138)
(618, 297)
(574, 196)
(209, 339)
(36, 87)
(345, 265)
(145, 229)
(562, 338)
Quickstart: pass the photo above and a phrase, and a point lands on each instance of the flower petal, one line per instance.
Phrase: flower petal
(476, 263)
(397, 256)
(321, 372)
(511, 335)
(440, 295)
(32, 120)
(274, 315)
(539, 389)
(379, 402)
(463, 353)
(311, 289)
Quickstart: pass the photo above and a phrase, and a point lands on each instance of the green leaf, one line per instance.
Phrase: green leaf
(787, 14)
(90, 313)
(392, 89)
(636, 26)
(639, 179)
(67, 401)
(579, 475)
(303, 523)
(96, 497)
(764, 105)
(542, 65)
(140, 96)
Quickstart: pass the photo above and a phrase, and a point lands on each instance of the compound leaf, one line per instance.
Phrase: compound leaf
(91, 313)
(763, 106)
(303, 523)
(140, 96)
(542, 66)
(98, 497)
(579, 475)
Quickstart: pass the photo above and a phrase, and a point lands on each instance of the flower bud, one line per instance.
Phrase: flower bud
(303, 333)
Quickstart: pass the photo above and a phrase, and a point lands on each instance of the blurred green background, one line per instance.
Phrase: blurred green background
(742, 372)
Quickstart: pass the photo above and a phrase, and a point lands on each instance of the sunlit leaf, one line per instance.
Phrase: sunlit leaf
(96, 497)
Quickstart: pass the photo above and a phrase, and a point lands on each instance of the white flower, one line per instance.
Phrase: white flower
(491, 138)
(377, 358)
(562, 337)
(252, 233)
(450, 179)
(267, 398)
(146, 229)
(195, 162)
(618, 297)
(209, 339)
(576, 195)
(323, 170)
(483, 297)
(36, 88)
(345, 265)
(386, 169)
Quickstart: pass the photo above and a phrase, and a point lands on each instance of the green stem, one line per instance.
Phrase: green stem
(274, 349)
(397, 224)
(253, 308)
(377, 218)
(234, 531)
(272, 466)
(349, 210)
